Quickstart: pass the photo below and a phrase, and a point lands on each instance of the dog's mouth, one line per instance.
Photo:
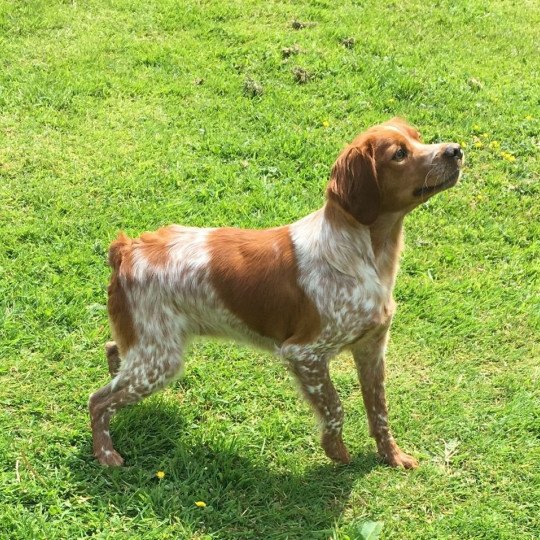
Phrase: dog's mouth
(445, 184)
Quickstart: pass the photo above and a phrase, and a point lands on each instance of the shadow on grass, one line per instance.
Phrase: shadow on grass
(245, 496)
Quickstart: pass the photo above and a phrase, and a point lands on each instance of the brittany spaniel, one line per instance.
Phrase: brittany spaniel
(305, 291)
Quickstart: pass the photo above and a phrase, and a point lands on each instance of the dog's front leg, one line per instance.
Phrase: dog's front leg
(369, 359)
(311, 371)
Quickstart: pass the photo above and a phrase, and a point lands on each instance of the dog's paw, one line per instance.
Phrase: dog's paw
(400, 459)
(335, 449)
(109, 458)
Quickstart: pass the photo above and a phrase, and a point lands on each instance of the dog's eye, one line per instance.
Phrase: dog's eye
(400, 155)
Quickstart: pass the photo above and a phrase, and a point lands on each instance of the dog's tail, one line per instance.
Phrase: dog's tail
(118, 305)
(118, 249)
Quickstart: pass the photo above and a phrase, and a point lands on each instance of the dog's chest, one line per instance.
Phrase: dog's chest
(349, 306)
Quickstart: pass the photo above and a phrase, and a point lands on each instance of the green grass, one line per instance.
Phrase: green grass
(130, 115)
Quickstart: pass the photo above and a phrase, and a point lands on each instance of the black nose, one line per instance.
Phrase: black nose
(453, 151)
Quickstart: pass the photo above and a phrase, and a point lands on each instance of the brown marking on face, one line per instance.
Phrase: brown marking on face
(402, 125)
(368, 180)
(256, 275)
(118, 307)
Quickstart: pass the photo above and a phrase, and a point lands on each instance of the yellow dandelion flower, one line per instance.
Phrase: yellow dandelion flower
(507, 156)
(485, 135)
(476, 127)
(326, 123)
(200, 504)
(494, 144)
(463, 144)
(160, 475)
(528, 117)
(478, 144)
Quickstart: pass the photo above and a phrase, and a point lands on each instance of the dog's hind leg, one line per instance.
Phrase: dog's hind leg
(146, 368)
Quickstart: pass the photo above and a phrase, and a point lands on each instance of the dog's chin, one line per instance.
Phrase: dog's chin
(444, 183)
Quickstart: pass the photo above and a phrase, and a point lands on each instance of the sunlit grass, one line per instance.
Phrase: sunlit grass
(131, 115)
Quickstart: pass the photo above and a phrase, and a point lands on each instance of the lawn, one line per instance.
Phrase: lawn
(131, 115)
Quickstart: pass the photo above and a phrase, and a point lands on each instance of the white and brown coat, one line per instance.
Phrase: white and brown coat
(305, 291)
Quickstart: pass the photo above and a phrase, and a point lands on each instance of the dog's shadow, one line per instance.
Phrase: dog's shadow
(244, 497)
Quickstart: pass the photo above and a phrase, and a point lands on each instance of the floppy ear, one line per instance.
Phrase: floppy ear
(353, 184)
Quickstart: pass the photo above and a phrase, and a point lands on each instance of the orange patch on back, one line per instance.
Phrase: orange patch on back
(154, 246)
(256, 275)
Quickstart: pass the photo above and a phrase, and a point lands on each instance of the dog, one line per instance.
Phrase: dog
(305, 291)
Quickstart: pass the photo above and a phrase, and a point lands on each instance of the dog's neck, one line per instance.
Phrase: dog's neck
(386, 237)
(387, 242)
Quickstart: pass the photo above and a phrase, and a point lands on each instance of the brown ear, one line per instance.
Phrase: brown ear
(353, 184)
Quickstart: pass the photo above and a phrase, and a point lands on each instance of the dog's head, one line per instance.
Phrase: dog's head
(389, 169)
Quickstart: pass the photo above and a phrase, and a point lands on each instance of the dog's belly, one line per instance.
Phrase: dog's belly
(221, 323)
(187, 302)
